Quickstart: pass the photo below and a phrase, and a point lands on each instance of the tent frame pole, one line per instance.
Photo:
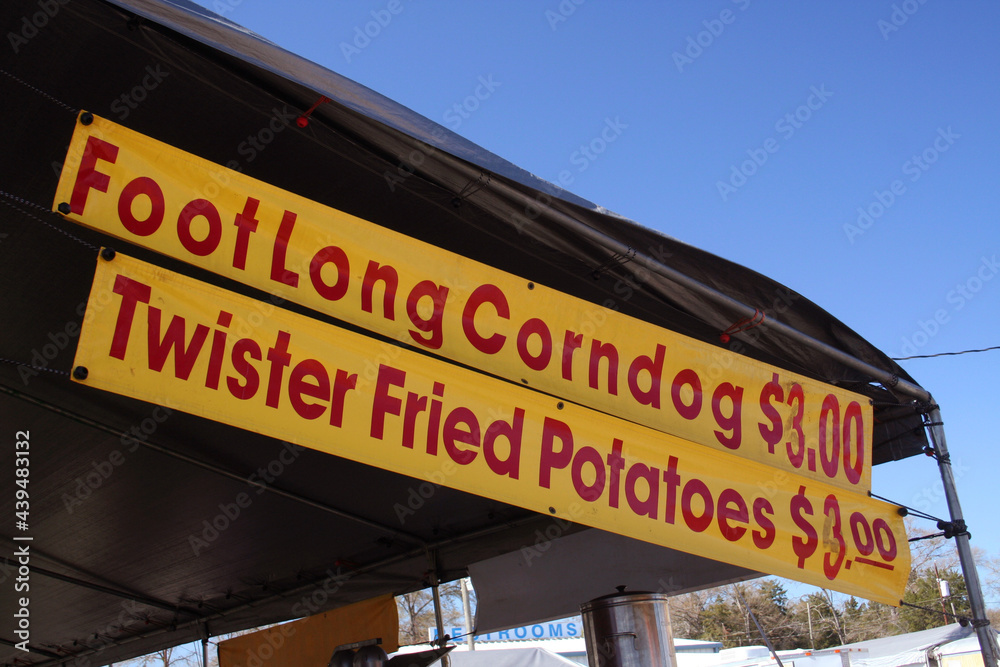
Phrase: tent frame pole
(987, 639)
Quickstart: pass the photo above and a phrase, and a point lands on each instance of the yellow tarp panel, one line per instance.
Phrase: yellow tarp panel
(311, 641)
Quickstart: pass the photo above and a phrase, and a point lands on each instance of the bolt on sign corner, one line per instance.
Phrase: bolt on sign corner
(165, 338)
(148, 193)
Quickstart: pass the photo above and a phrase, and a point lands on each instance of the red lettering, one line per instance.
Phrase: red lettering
(342, 384)
(535, 327)
(672, 481)
(694, 522)
(430, 325)
(654, 367)
(434, 419)
(686, 377)
(88, 178)
(467, 436)
(200, 208)
(218, 351)
(616, 463)
(553, 430)
(299, 386)
(732, 507)
(571, 343)
(238, 356)
(336, 256)
(414, 406)
(485, 294)
(598, 351)
(648, 506)
(589, 492)
(279, 359)
(246, 224)
(374, 273)
(173, 339)
(856, 438)
(278, 255)
(763, 539)
(132, 292)
(151, 190)
(829, 456)
(384, 403)
(771, 391)
(731, 422)
(512, 433)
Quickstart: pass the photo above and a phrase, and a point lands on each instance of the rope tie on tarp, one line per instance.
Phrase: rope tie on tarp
(8, 198)
(745, 324)
(949, 529)
(618, 259)
(471, 188)
(303, 119)
(41, 92)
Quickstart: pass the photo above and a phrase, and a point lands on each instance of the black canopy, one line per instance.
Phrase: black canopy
(122, 490)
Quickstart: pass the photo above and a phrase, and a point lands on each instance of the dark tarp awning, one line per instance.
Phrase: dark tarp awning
(117, 568)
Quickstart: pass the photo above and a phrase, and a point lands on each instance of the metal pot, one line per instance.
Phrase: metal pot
(370, 656)
(628, 630)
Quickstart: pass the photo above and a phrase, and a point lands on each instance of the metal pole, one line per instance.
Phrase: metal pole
(812, 642)
(937, 576)
(469, 641)
(767, 640)
(438, 615)
(987, 638)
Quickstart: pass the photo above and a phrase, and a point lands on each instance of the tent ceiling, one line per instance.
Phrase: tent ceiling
(119, 566)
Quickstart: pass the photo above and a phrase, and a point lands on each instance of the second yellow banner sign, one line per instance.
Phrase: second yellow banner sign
(161, 337)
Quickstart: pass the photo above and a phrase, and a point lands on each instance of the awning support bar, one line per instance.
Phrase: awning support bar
(987, 637)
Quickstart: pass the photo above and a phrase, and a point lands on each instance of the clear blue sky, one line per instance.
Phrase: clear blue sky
(893, 107)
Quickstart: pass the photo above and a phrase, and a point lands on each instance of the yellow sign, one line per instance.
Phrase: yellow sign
(312, 640)
(165, 338)
(150, 194)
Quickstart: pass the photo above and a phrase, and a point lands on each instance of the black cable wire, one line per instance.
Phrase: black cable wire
(41, 92)
(25, 364)
(945, 354)
(915, 512)
(6, 195)
(957, 617)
